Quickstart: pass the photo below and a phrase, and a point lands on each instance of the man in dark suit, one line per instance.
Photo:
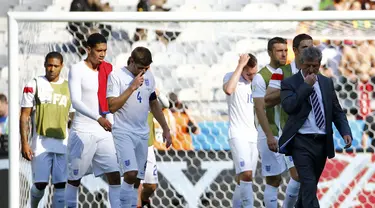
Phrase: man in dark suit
(310, 101)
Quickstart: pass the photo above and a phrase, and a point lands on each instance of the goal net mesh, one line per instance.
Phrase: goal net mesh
(190, 60)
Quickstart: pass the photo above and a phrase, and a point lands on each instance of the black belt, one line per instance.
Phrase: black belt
(315, 136)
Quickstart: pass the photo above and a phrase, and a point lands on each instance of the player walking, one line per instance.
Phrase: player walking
(242, 132)
(131, 95)
(50, 96)
(271, 121)
(90, 141)
(272, 100)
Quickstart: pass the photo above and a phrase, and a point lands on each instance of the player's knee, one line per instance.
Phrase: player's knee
(41, 186)
(274, 181)
(75, 183)
(294, 174)
(246, 176)
(113, 178)
(59, 185)
(130, 177)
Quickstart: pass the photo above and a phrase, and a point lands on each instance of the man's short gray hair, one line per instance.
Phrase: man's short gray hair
(311, 54)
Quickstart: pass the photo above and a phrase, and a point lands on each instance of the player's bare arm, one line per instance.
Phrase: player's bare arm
(272, 97)
(159, 116)
(230, 86)
(263, 121)
(26, 151)
(115, 103)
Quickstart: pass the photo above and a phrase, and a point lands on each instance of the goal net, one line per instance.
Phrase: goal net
(191, 54)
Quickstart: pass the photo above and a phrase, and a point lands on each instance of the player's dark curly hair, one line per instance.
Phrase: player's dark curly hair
(54, 54)
(95, 38)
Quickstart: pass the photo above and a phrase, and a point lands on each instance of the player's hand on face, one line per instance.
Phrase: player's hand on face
(348, 141)
(272, 144)
(310, 79)
(244, 58)
(26, 151)
(138, 81)
(167, 138)
(105, 124)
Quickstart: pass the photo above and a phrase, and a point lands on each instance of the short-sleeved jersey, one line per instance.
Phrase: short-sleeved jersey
(259, 86)
(52, 105)
(279, 74)
(241, 110)
(132, 116)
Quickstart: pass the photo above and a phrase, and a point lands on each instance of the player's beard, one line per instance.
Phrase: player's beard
(278, 62)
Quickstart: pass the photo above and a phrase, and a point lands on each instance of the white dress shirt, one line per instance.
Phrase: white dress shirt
(310, 127)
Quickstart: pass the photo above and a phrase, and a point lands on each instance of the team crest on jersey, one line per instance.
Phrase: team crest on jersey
(268, 168)
(242, 163)
(127, 162)
(75, 171)
(147, 82)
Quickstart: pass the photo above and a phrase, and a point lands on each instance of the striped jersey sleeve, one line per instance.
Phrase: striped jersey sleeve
(276, 78)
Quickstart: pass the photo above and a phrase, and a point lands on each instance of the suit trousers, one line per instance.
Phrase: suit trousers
(309, 156)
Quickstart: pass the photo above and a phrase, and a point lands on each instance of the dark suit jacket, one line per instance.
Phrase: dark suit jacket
(295, 100)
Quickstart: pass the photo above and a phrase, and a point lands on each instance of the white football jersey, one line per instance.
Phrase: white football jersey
(241, 110)
(132, 116)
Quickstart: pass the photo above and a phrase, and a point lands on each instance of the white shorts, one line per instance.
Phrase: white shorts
(131, 152)
(244, 154)
(151, 174)
(90, 153)
(49, 163)
(273, 163)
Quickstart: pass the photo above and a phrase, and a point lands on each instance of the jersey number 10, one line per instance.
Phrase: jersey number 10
(139, 98)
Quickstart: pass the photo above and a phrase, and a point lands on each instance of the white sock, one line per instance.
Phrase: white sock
(71, 193)
(291, 193)
(58, 200)
(127, 191)
(135, 198)
(246, 192)
(236, 200)
(114, 195)
(270, 196)
(36, 196)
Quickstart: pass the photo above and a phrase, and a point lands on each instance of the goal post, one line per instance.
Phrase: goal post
(147, 19)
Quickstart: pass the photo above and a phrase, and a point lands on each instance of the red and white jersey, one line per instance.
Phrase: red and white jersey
(277, 76)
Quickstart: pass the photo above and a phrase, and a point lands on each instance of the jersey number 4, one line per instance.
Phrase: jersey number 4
(139, 98)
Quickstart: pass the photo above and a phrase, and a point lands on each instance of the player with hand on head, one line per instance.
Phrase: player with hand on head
(242, 132)
(90, 141)
(50, 96)
(131, 95)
